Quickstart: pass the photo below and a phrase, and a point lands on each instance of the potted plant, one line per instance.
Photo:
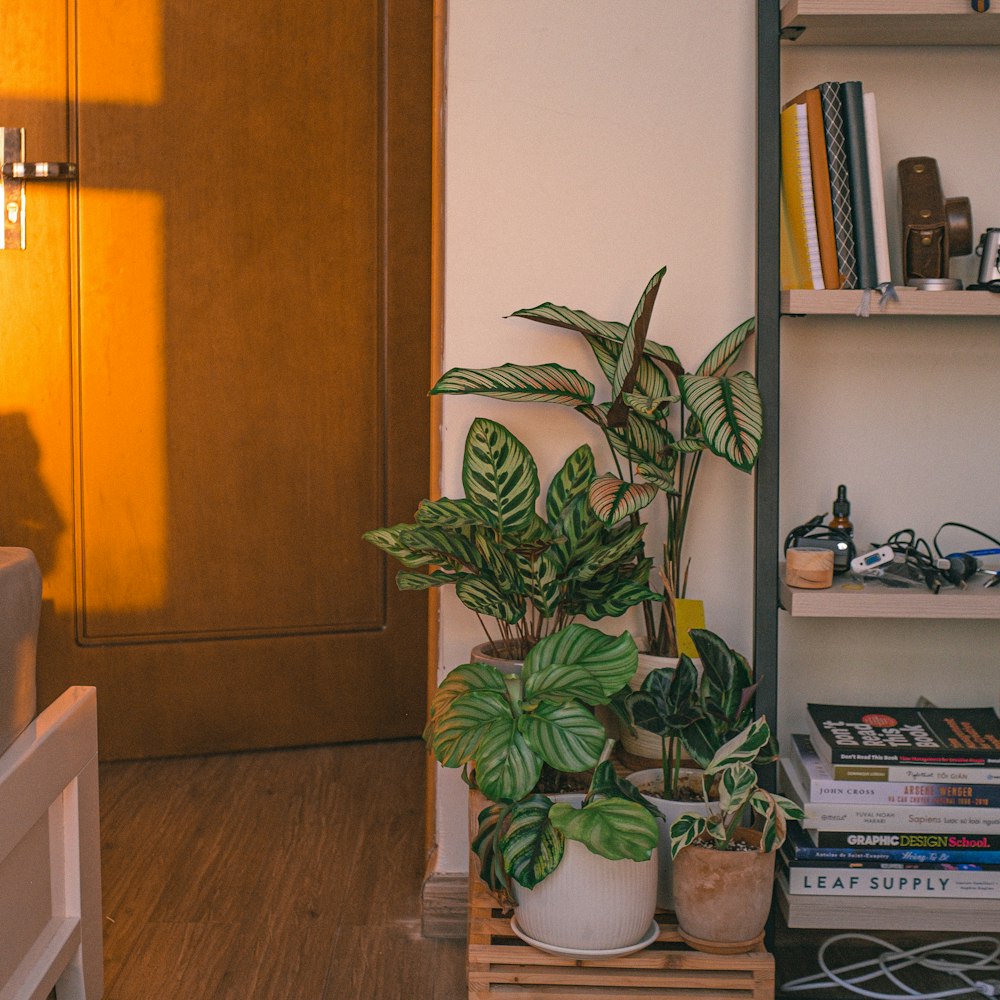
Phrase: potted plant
(724, 871)
(688, 711)
(524, 576)
(553, 860)
(659, 421)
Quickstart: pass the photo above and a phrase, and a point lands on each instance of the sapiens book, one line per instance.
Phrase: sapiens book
(916, 882)
(820, 171)
(855, 734)
(840, 182)
(895, 818)
(852, 102)
(863, 848)
(800, 258)
(886, 912)
(820, 785)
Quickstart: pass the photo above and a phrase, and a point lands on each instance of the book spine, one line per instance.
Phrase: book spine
(880, 230)
(861, 855)
(821, 787)
(840, 182)
(905, 840)
(906, 883)
(808, 200)
(916, 773)
(799, 246)
(852, 100)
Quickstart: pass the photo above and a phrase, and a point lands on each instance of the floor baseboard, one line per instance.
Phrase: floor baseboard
(444, 905)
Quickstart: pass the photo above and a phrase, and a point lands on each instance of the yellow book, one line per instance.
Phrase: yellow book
(800, 258)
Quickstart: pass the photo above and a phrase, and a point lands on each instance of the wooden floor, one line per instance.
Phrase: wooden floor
(265, 876)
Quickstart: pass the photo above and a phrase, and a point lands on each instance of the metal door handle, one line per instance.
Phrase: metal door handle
(44, 171)
(16, 170)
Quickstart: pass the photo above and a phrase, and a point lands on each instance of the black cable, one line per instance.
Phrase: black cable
(964, 527)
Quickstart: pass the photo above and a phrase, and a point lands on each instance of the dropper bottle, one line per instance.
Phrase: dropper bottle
(841, 512)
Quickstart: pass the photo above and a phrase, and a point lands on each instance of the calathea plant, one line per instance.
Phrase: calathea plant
(697, 712)
(530, 574)
(659, 420)
(731, 770)
(501, 729)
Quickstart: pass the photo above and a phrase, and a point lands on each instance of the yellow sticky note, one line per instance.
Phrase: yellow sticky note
(690, 614)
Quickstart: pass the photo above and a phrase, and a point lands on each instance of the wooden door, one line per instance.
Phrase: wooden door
(214, 362)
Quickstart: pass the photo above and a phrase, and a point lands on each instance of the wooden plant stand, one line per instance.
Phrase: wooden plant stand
(501, 965)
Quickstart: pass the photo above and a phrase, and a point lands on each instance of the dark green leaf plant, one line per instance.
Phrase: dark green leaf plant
(732, 773)
(659, 420)
(692, 712)
(501, 729)
(527, 574)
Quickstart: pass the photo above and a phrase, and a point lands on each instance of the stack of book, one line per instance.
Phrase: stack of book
(833, 223)
(902, 820)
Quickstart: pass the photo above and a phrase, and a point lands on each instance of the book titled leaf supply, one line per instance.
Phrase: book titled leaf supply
(845, 734)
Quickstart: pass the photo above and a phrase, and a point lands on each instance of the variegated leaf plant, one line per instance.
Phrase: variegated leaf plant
(658, 420)
(526, 840)
(530, 574)
(697, 711)
(731, 771)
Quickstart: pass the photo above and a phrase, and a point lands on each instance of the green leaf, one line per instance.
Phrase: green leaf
(390, 541)
(446, 513)
(549, 383)
(581, 533)
(648, 406)
(612, 498)
(726, 350)
(607, 595)
(545, 584)
(735, 788)
(660, 476)
(613, 828)
(686, 830)
(611, 659)
(485, 599)
(459, 732)
(622, 548)
(606, 783)
(453, 547)
(564, 682)
(532, 848)
(407, 580)
(633, 344)
(638, 441)
(569, 482)
(745, 746)
(667, 703)
(487, 848)
(500, 475)
(565, 735)
(730, 413)
(507, 768)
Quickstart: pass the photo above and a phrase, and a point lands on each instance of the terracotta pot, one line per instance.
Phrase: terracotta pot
(671, 809)
(722, 898)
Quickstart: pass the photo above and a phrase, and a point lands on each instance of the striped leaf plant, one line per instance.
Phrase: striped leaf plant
(523, 574)
(735, 780)
(658, 418)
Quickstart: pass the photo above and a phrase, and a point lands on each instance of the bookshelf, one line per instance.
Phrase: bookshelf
(832, 29)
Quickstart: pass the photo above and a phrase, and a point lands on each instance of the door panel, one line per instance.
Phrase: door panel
(243, 370)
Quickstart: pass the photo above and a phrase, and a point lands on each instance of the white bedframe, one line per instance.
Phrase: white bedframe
(50, 876)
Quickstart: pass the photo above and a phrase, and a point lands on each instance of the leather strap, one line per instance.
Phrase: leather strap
(923, 219)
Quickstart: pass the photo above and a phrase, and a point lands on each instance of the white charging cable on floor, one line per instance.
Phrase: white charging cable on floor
(945, 957)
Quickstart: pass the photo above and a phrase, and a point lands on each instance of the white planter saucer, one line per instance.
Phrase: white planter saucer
(647, 939)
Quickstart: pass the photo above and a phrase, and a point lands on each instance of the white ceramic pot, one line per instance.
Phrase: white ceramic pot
(644, 743)
(671, 809)
(590, 903)
(486, 652)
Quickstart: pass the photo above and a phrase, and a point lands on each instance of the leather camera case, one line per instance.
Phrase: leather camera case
(935, 229)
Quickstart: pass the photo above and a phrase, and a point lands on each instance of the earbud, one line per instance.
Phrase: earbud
(961, 567)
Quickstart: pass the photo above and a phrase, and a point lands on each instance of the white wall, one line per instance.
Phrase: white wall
(588, 144)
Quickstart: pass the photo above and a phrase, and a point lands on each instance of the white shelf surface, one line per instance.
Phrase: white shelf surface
(872, 599)
(890, 22)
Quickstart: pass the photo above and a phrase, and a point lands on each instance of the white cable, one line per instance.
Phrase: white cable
(892, 959)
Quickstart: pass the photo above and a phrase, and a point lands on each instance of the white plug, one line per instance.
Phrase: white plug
(865, 564)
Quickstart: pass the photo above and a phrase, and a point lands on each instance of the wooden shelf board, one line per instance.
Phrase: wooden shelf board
(912, 302)
(847, 599)
(890, 22)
